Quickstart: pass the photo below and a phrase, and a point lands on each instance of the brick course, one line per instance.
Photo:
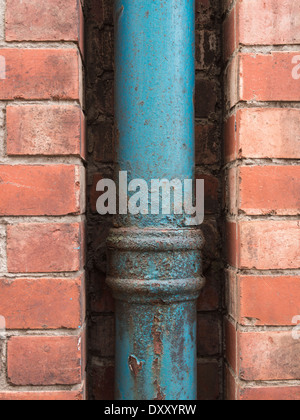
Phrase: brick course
(42, 201)
(261, 153)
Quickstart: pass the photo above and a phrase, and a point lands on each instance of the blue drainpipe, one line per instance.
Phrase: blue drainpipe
(154, 261)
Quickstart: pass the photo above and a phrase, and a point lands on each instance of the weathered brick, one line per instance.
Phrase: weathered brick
(268, 300)
(103, 336)
(40, 87)
(270, 244)
(41, 396)
(268, 22)
(102, 379)
(52, 20)
(245, 78)
(94, 194)
(269, 190)
(209, 335)
(101, 299)
(231, 296)
(261, 190)
(262, 355)
(205, 98)
(45, 248)
(263, 133)
(229, 34)
(205, 11)
(261, 22)
(226, 5)
(102, 12)
(232, 244)
(33, 360)
(268, 355)
(278, 85)
(211, 249)
(231, 350)
(272, 393)
(210, 296)
(40, 74)
(211, 192)
(41, 190)
(208, 381)
(3, 249)
(102, 138)
(230, 139)
(231, 193)
(230, 385)
(207, 145)
(45, 130)
(41, 303)
(231, 84)
(207, 51)
(264, 245)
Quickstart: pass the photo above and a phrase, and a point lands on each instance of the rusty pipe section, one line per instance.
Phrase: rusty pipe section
(154, 259)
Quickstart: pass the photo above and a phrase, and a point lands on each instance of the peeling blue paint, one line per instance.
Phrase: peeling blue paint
(154, 261)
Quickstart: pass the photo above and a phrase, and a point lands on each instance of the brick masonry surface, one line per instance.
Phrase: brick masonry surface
(57, 141)
(262, 202)
(42, 196)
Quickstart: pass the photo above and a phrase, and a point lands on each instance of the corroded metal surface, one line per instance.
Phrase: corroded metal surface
(154, 261)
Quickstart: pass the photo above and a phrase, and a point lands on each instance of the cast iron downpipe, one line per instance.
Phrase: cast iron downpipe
(154, 260)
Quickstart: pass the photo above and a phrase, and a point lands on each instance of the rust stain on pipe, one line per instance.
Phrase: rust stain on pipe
(134, 365)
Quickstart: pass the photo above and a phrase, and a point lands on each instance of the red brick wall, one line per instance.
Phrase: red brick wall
(43, 283)
(262, 120)
(42, 200)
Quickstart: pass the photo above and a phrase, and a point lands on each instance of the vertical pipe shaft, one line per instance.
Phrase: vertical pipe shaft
(154, 259)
